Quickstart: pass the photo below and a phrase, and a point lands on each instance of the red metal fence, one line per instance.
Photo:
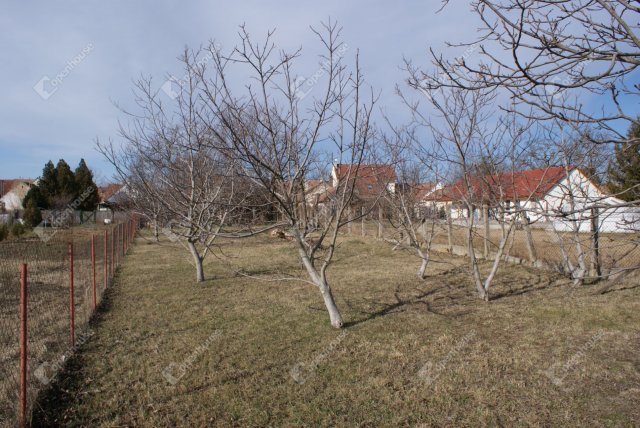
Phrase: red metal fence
(48, 292)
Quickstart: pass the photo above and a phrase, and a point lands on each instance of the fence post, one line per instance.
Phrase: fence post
(449, 228)
(22, 417)
(106, 260)
(113, 259)
(72, 326)
(531, 248)
(123, 241)
(595, 243)
(487, 230)
(93, 269)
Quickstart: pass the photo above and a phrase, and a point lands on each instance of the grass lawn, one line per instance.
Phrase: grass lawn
(241, 351)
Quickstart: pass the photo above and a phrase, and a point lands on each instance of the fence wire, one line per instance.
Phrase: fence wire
(49, 342)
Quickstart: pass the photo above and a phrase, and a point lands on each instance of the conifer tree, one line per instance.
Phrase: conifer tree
(624, 168)
(86, 187)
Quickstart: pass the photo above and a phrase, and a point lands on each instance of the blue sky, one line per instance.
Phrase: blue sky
(111, 44)
(127, 39)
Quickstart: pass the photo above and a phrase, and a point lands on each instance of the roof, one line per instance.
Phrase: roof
(7, 185)
(513, 185)
(424, 189)
(106, 192)
(370, 179)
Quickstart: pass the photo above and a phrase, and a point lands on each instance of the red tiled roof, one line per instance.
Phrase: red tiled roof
(106, 192)
(7, 185)
(370, 179)
(518, 185)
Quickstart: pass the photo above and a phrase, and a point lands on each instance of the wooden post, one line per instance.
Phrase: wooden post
(113, 259)
(93, 271)
(22, 416)
(106, 260)
(349, 216)
(117, 243)
(487, 229)
(531, 249)
(595, 244)
(449, 228)
(72, 323)
(362, 213)
(380, 218)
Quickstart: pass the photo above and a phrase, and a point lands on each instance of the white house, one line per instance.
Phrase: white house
(12, 193)
(555, 197)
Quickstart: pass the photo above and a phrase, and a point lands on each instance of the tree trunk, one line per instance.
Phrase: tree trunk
(364, 230)
(496, 263)
(380, 231)
(198, 261)
(422, 272)
(330, 304)
(473, 261)
(156, 229)
(320, 281)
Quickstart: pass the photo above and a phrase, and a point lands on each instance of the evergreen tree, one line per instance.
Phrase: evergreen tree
(67, 189)
(32, 215)
(36, 195)
(48, 185)
(624, 168)
(87, 187)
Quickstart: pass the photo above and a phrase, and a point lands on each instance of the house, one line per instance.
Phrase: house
(112, 195)
(559, 197)
(12, 193)
(371, 180)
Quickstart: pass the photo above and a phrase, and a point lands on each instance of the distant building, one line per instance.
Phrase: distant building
(559, 196)
(12, 193)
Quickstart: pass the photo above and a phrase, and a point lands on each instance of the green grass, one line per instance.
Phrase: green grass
(243, 335)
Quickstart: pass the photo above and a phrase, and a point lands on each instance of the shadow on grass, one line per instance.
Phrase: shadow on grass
(51, 406)
(402, 303)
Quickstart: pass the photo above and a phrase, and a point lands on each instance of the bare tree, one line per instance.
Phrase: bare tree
(547, 54)
(414, 219)
(276, 132)
(170, 165)
(482, 152)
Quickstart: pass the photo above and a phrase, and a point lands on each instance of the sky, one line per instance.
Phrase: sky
(65, 66)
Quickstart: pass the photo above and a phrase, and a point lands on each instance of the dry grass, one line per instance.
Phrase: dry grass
(415, 353)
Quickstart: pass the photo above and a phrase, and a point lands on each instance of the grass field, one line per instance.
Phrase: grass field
(241, 351)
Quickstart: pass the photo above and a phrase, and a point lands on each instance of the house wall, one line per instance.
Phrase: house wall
(577, 193)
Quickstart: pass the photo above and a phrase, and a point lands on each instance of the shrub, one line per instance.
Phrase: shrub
(17, 230)
(4, 232)
(32, 215)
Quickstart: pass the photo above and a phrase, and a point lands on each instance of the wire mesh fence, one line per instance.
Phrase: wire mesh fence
(597, 253)
(66, 277)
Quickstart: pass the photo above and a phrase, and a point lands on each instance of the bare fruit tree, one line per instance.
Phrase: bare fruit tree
(280, 135)
(168, 161)
(414, 219)
(480, 151)
(547, 54)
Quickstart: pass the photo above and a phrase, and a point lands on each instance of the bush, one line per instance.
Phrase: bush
(32, 215)
(17, 230)
(4, 232)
